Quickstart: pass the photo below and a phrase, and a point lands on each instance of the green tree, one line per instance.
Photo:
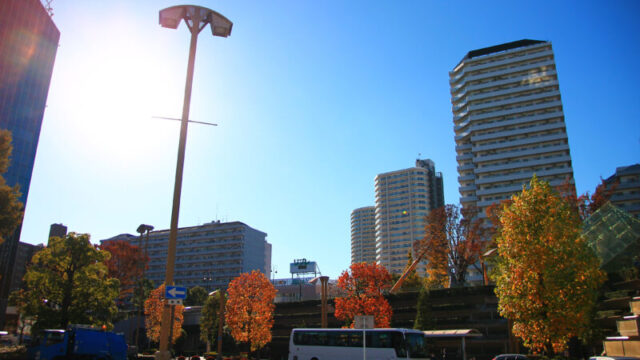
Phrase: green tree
(210, 318)
(424, 316)
(10, 205)
(141, 292)
(196, 296)
(547, 278)
(67, 283)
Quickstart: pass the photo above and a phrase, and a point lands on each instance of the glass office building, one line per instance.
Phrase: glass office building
(28, 45)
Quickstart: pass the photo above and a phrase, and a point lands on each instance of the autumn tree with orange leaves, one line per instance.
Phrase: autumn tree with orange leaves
(364, 285)
(454, 240)
(153, 307)
(586, 204)
(249, 309)
(126, 264)
(547, 278)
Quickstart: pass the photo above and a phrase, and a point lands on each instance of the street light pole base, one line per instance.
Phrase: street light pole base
(163, 355)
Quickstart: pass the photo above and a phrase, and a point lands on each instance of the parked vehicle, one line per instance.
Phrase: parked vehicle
(347, 344)
(78, 341)
(511, 357)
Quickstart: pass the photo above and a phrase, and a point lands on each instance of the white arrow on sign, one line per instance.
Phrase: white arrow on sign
(174, 291)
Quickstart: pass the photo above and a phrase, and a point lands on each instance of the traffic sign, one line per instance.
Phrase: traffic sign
(364, 322)
(174, 301)
(175, 292)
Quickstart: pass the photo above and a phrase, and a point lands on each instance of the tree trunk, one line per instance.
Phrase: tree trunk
(66, 300)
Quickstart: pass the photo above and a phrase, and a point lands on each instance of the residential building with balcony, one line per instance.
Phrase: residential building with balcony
(626, 189)
(208, 255)
(508, 121)
(403, 200)
(363, 235)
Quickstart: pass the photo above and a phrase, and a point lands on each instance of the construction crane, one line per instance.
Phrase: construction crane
(409, 269)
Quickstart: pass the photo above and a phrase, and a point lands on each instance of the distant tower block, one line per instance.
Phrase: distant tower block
(57, 230)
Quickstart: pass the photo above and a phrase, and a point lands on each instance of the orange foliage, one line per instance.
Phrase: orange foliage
(454, 240)
(586, 204)
(153, 308)
(547, 278)
(125, 264)
(364, 286)
(249, 309)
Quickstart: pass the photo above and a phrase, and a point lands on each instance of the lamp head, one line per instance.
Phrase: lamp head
(195, 15)
(220, 25)
(170, 17)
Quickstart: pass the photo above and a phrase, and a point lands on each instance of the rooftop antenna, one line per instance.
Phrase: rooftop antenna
(47, 7)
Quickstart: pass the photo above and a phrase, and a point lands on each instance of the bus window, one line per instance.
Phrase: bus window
(397, 340)
(379, 339)
(355, 339)
(338, 338)
(417, 346)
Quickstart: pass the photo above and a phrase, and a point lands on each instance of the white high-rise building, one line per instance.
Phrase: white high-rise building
(403, 200)
(363, 235)
(508, 121)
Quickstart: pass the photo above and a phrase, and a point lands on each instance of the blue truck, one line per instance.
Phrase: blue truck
(78, 342)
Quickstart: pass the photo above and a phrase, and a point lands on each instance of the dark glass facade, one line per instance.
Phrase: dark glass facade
(28, 45)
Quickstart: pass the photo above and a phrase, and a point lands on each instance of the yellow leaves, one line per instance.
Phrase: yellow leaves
(546, 277)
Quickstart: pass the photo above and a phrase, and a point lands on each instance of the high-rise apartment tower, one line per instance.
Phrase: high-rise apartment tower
(363, 235)
(403, 200)
(508, 121)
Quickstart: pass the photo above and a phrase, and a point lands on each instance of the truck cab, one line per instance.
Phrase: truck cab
(77, 341)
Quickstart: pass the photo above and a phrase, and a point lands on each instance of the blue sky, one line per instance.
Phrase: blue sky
(312, 98)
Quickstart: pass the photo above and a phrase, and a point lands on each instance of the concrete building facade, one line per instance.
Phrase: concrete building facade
(403, 200)
(363, 235)
(208, 255)
(626, 189)
(508, 121)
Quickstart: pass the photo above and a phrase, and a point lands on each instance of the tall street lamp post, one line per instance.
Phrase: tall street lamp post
(196, 18)
(141, 229)
(220, 320)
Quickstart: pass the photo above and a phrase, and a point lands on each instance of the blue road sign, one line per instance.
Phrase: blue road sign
(175, 292)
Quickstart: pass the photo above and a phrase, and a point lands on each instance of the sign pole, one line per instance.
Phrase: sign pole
(364, 344)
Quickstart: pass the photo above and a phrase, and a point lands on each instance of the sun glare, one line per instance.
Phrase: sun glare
(118, 86)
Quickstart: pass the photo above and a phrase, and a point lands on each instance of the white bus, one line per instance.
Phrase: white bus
(336, 344)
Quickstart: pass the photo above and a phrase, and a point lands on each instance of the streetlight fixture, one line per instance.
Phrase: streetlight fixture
(220, 320)
(141, 230)
(196, 18)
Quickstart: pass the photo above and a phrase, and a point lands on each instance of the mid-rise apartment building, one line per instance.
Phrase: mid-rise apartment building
(208, 255)
(508, 121)
(363, 235)
(626, 189)
(403, 200)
